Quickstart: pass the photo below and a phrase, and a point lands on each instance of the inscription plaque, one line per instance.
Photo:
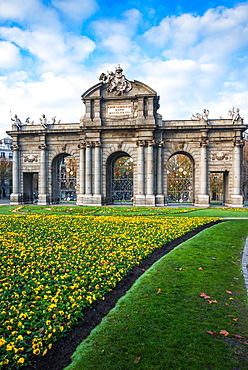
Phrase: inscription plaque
(119, 110)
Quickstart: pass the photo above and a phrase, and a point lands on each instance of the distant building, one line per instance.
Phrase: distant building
(5, 167)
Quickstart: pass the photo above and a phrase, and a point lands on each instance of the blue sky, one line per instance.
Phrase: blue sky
(193, 53)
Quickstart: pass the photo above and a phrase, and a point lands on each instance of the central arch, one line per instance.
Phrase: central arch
(119, 181)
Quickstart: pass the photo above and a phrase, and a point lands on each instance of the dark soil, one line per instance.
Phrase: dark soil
(60, 355)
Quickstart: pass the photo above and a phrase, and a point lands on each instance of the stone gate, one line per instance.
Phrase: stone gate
(121, 119)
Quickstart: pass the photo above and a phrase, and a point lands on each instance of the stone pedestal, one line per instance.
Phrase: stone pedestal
(139, 200)
(96, 200)
(159, 200)
(150, 200)
(15, 199)
(202, 200)
(79, 201)
(236, 201)
(87, 199)
(43, 199)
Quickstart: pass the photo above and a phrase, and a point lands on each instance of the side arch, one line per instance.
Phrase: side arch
(63, 177)
(119, 177)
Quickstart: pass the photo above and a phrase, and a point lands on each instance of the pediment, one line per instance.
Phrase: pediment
(117, 86)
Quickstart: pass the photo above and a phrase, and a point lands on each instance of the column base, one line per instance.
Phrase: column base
(236, 201)
(202, 200)
(15, 199)
(139, 200)
(150, 200)
(43, 200)
(159, 200)
(96, 199)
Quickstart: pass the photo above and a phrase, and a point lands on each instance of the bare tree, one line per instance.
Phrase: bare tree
(5, 176)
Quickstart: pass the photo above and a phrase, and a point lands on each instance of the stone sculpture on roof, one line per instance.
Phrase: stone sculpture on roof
(116, 81)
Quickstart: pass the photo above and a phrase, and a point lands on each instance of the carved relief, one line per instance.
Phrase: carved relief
(30, 158)
(219, 156)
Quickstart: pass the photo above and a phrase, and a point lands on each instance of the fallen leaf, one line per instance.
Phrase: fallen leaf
(210, 332)
(200, 268)
(228, 291)
(238, 336)
(224, 332)
(212, 301)
(179, 268)
(137, 360)
(204, 295)
(159, 291)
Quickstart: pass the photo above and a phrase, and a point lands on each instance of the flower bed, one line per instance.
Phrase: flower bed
(53, 266)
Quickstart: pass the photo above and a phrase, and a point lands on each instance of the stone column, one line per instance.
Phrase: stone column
(87, 198)
(150, 197)
(159, 193)
(236, 196)
(81, 181)
(203, 196)
(139, 199)
(43, 197)
(15, 197)
(97, 197)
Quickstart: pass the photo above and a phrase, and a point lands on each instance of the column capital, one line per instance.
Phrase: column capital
(160, 143)
(42, 146)
(15, 147)
(98, 144)
(151, 143)
(238, 142)
(204, 143)
(140, 142)
(89, 144)
(82, 145)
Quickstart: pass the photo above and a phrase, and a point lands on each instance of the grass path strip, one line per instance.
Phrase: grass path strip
(188, 311)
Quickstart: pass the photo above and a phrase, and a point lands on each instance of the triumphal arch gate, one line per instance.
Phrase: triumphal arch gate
(122, 149)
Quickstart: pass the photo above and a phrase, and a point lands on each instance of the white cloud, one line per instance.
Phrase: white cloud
(216, 35)
(54, 51)
(9, 55)
(118, 44)
(31, 14)
(126, 26)
(78, 10)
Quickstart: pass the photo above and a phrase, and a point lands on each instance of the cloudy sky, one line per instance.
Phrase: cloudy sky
(193, 53)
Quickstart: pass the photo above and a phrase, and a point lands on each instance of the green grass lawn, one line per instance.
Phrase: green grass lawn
(127, 210)
(186, 312)
(164, 323)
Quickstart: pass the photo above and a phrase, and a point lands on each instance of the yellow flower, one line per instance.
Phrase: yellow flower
(36, 351)
(2, 342)
(21, 361)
